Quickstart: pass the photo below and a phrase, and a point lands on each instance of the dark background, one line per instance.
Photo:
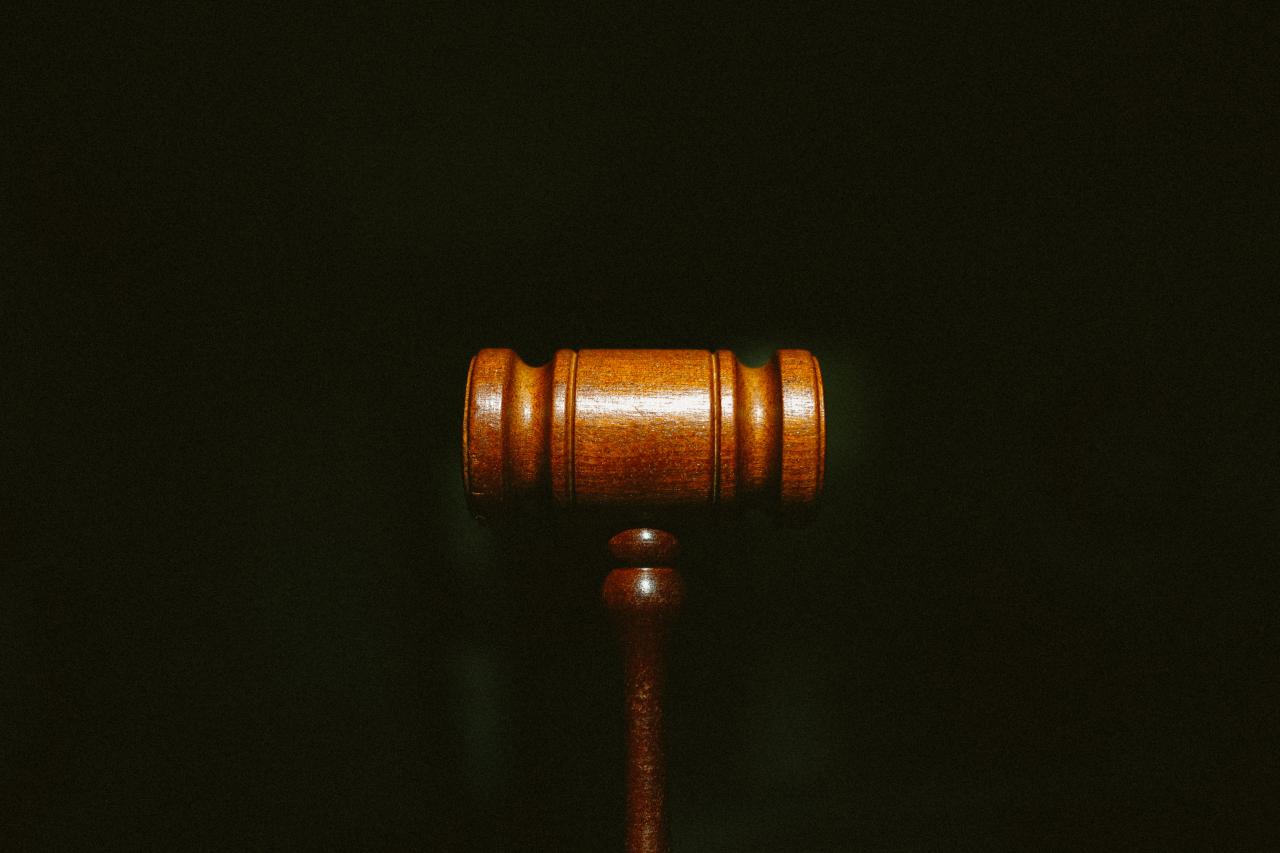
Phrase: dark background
(1032, 248)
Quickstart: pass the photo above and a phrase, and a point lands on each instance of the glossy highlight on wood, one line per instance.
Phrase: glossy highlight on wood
(638, 432)
(643, 428)
(644, 597)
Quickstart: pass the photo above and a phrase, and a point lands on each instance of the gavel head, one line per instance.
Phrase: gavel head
(645, 429)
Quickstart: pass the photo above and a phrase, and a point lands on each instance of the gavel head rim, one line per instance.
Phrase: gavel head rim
(643, 429)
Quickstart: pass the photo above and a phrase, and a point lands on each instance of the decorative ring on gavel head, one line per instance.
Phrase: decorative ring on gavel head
(643, 428)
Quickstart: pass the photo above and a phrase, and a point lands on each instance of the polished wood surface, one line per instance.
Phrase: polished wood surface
(644, 595)
(643, 428)
(649, 434)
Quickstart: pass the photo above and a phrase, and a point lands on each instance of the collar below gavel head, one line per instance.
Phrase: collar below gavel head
(643, 429)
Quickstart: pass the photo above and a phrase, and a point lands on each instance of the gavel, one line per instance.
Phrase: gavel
(644, 434)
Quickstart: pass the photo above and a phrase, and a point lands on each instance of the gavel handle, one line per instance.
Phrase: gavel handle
(644, 602)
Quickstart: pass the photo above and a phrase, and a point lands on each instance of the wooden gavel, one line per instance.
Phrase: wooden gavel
(643, 432)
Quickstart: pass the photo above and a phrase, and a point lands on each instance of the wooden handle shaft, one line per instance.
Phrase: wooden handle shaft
(644, 602)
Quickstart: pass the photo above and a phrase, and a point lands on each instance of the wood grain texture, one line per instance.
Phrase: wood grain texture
(644, 597)
(643, 428)
(641, 431)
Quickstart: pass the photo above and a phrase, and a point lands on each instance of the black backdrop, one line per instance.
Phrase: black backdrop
(253, 612)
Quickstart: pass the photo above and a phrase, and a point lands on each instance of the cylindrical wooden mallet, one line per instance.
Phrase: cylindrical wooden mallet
(643, 431)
